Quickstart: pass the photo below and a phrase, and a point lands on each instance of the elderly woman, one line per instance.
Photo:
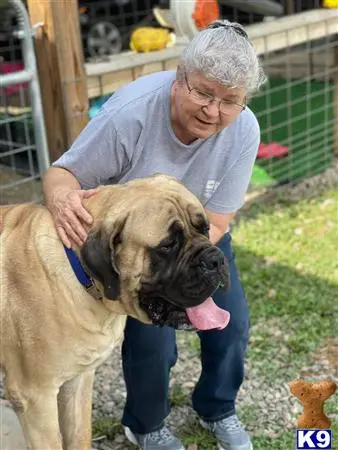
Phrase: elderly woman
(193, 124)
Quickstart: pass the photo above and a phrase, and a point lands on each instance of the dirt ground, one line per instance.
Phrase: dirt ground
(22, 191)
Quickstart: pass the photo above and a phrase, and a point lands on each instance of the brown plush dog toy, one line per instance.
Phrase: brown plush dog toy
(312, 396)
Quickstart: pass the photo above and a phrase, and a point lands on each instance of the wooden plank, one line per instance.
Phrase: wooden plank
(50, 82)
(71, 63)
(110, 82)
(147, 69)
(279, 40)
(129, 59)
(61, 71)
(319, 64)
(267, 37)
(171, 64)
(322, 57)
(291, 23)
(293, 30)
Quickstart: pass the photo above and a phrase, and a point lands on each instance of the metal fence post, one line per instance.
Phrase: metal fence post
(30, 74)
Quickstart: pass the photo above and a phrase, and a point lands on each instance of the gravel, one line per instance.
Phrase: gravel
(265, 409)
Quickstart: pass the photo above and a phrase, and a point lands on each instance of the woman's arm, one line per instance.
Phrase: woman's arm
(219, 224)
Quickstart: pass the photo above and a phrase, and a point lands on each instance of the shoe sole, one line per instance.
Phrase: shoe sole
(203, 425)
(131, 437)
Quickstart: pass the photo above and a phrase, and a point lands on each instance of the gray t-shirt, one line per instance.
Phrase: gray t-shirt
(132, 137)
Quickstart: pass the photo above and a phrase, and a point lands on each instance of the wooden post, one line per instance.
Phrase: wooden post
(61, 71)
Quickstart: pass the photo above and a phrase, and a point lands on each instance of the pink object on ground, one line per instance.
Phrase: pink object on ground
(271, 150)
(11, 67)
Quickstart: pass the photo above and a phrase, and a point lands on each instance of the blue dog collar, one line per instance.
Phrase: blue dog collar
(87, 282)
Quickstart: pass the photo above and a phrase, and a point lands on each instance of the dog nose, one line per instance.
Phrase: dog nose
(213, 262)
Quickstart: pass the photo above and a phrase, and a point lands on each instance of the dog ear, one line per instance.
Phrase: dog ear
(98, 256)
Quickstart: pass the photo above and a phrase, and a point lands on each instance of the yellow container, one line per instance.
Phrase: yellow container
(148, 39)
(330, 3)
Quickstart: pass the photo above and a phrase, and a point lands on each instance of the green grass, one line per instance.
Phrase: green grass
(105, 426)
(307, 155)
(287, 256)
(193, 433)
(177, 396)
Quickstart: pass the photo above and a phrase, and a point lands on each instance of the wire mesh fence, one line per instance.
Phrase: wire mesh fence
(18, 164)
(23, 150)
(296, 111)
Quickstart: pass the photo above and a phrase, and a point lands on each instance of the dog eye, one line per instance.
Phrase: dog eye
(204, 229)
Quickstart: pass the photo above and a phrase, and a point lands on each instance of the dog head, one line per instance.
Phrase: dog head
(149, 249)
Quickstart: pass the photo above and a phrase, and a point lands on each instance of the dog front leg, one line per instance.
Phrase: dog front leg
(38, 414)
(75, 410)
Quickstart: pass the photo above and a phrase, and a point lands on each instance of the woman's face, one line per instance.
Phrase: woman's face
(201, 108)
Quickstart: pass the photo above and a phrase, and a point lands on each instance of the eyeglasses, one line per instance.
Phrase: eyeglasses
(204, 99)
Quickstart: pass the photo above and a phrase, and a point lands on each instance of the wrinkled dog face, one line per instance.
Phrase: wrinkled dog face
(156, 256)
(185, 270)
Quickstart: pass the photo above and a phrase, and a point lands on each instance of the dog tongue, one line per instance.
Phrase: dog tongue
(208, 315)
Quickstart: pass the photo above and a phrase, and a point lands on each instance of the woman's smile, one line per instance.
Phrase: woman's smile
(203, 122)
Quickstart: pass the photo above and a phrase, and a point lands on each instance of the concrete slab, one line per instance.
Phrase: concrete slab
(11, 436)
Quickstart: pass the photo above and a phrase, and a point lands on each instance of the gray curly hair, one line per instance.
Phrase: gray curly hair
(223, 52)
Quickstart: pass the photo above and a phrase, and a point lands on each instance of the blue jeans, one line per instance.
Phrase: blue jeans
(149, 352)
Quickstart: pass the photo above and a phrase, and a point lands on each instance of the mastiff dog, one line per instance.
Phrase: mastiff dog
(147, 255)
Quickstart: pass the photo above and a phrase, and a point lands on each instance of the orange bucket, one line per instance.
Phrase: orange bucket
(206, 11)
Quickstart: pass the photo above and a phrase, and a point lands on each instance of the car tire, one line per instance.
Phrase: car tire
(103, 39)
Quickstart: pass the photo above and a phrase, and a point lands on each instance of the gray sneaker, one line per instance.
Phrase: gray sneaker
(230, 433)
(161, 439)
